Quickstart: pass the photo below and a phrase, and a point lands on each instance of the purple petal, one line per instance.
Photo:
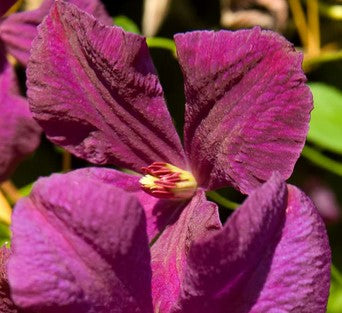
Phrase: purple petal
(271, 256)
(19, 133)
(197, 220)
(111, 109)
(158, 212)
(80, 246)
(247, 109)
(19, 29)
(6, 5)
(6, 304)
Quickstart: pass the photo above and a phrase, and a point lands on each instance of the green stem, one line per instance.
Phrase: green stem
(322, 58)
(322, 161)
(163, 43)
(222, 200)
(66, 161)
(335, 274)
(300, 21)
(314, 35)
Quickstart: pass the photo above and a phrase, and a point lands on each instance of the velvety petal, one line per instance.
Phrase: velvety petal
(19, 133)
(6, 5)
(197, 220)
(271, 256)
(80, 246)
(6, 303)
(159, 212)
(247, 106)
(111, 108)
(19, 29)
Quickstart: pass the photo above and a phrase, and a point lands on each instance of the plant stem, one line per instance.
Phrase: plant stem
(336, 275)
(300, 21)
(14, 8)
(322, 161)
(11, 191)
(222, 200)
(314, 35)
(322, 58)
(66, 162)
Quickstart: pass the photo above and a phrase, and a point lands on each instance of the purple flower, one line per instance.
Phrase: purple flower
(18, 30)
(19, 134)
(80, 245)
(94, 90)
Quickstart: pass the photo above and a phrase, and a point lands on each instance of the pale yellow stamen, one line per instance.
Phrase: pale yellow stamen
(148, 181)
(164, 180)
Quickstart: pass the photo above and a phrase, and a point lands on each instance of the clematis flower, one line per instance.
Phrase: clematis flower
(18, 30)
(19, 134)
(80, 245)
(94, 90)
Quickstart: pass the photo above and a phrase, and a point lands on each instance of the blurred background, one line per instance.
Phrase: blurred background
(314, 27)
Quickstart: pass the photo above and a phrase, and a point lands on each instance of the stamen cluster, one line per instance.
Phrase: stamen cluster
(163, 180)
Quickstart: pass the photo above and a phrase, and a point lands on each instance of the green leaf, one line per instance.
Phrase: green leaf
(335, 298)
(59, 149)
(26, 190)
(322, 160)
(126, 23)
(326, 117)
(162, 43)
(5, 234)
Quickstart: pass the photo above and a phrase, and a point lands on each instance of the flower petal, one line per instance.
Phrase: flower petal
(112, 108)
(271, 256)
(247, 110)
(19, 29)
(6, 304)
(80, 246)
(197, 220)
(159, 212)
(19, 133)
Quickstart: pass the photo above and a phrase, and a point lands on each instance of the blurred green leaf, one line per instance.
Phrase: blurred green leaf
(333, 11)
(322, 160)
(126, 23)
(310, 63)
(326, 117)
(162, 43)
(26, 190)
(59, 149)
(335, 298)
(5, 234)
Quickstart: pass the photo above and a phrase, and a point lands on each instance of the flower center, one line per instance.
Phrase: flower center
(163, 180)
